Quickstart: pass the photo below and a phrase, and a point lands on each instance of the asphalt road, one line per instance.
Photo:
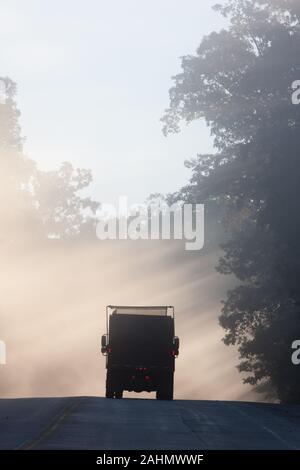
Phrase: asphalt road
(99, 423)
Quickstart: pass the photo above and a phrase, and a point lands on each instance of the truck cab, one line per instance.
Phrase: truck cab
(140, 348)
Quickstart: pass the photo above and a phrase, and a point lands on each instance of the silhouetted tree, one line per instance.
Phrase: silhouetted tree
(64, 212)
(37, 204)
(240, 81)
(16, 171)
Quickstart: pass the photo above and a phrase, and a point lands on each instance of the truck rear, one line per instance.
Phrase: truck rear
(140, 348)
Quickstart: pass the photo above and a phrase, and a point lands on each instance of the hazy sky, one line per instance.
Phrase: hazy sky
(93, 79)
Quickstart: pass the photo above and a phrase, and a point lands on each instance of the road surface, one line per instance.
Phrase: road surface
(99, 423)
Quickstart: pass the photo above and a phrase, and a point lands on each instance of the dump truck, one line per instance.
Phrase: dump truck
(140, 348)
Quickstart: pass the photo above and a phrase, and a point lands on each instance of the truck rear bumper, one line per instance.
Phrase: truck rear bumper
(137, 379)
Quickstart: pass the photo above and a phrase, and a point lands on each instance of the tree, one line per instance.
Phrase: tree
(239, 81)
(33, 203)
(64, 212)
(16, 171)
(41, 214)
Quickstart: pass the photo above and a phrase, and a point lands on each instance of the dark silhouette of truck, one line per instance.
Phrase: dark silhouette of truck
(140, 348)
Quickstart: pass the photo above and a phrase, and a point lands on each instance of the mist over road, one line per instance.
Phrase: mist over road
(99, 423)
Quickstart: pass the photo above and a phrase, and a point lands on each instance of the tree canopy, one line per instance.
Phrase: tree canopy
(240, 82)
(37, 204)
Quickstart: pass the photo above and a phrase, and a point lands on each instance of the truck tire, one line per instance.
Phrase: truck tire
(109, 385)
(119, 394)
(165, 390)
(109, 393)
(161, 395)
